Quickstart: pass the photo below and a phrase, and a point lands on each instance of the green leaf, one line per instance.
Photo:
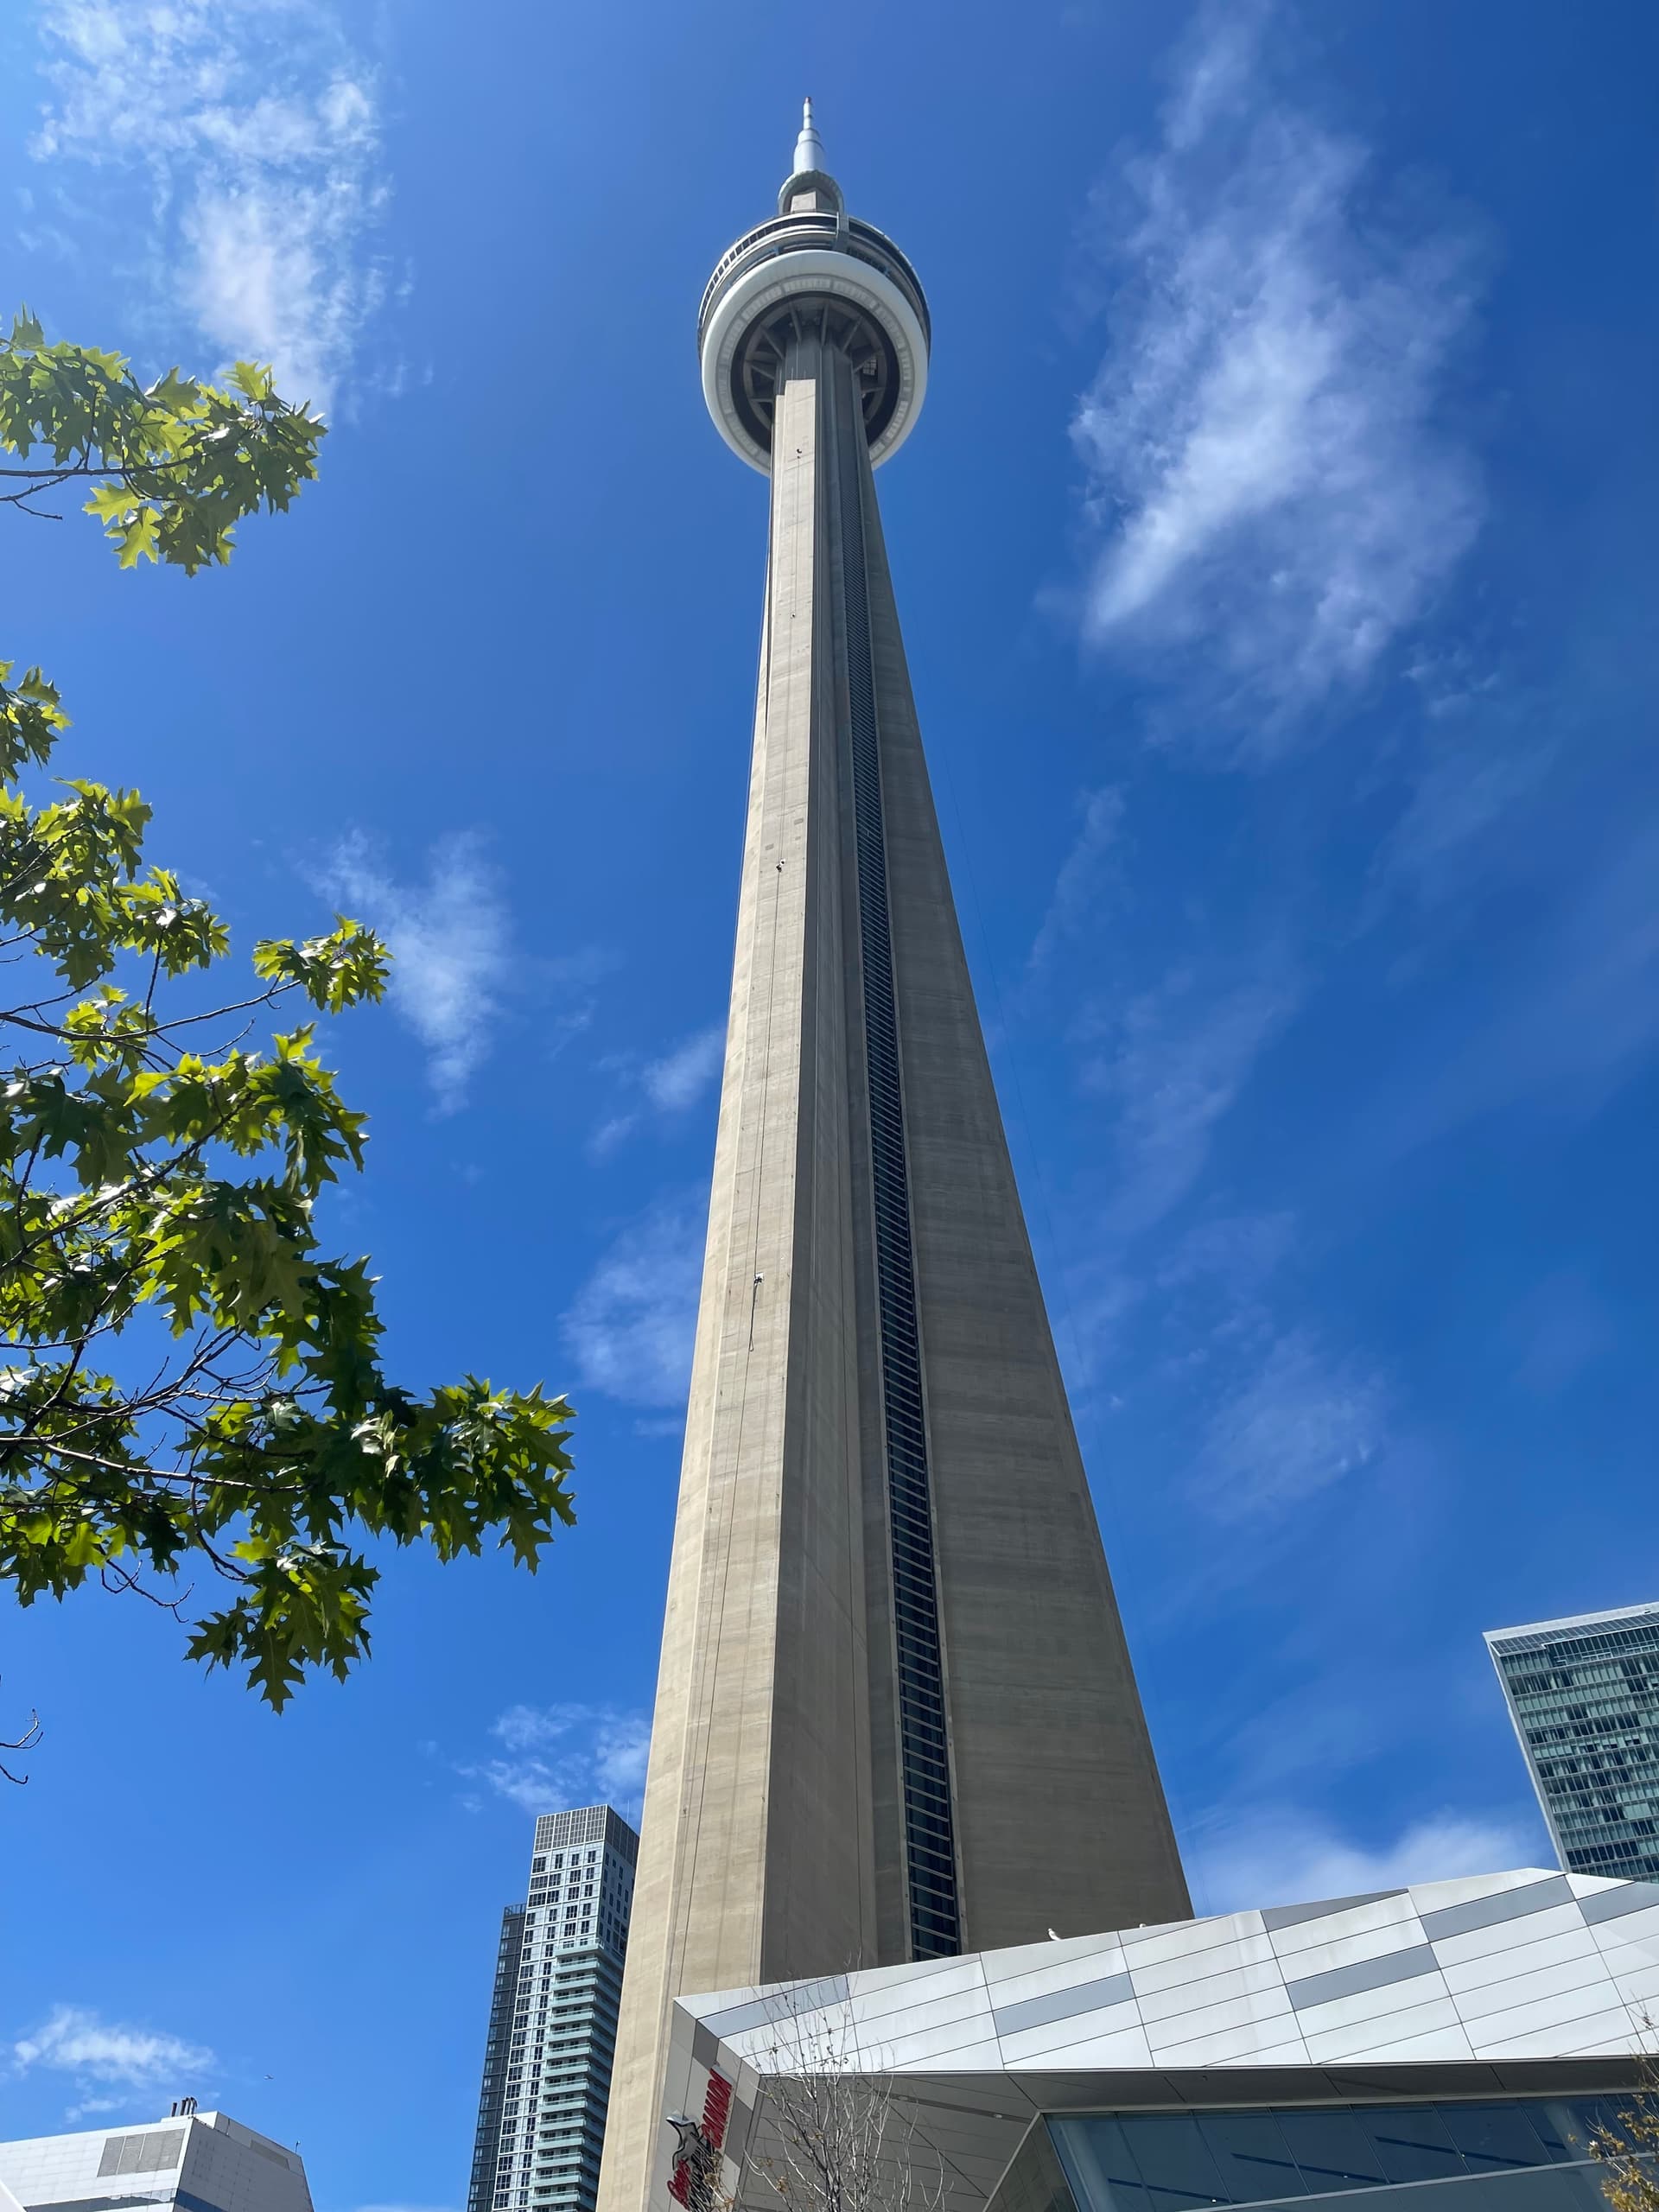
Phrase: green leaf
(109, 503)
(139, 536)
(192, 458)
(196, 1387)
(248, 377)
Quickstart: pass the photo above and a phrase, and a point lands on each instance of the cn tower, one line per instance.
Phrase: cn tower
(896, 1716)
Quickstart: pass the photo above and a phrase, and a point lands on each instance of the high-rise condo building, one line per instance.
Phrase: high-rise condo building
(1584, 1696)
(547, 2057)
(896, 1717)
(190, 2161)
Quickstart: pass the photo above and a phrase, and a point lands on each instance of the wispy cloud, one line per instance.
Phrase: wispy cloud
(256, 127)
(449, 942)
(613, 1131)
(1175, 1061)
(681, 1077)
(1566, 1023)
(556, 1756)
(1562, 1327)
(76, 2040)
(1275, 1855)
(1169, 1060)
(1297, 1423)
(1274, 498)
(630, 1327)
(1077, 884)
(1488, 745)
(405, 2208)
(671, 1085)
(1325, 1725)
(1464, 794)
(1230, 1255)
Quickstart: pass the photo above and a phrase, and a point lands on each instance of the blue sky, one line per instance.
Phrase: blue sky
(1272, 554)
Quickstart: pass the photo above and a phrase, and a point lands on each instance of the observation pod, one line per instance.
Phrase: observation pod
(813, 270)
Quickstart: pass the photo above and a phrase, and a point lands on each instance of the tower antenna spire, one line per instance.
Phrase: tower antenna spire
(808, 147)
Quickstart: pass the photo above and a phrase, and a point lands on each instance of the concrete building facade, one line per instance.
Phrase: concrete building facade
(1584, 1696)
(547, 2052)
(194, 2161)
(896, 1717)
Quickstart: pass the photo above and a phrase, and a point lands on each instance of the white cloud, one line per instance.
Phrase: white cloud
(75, 2040)
(555, 1755)
(1298, 1423)
(680, 1078)
(611, 1133)
(1571, 1016)
(1182, 1054)
(1171, 1065)
(1077, 883)
(1266, 1856)
(1488, 748)
(1232, 1255)
(1274, 500)
(404, 2207)
(1217, 75)
(449, 943)
(631, 1324)
(257, 125)
(1466, 795)
(672, 1085)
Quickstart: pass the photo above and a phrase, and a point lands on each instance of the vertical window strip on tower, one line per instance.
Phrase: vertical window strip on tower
(930, 1847)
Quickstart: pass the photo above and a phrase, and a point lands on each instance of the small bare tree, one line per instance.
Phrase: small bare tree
(832, 2131)
(1628, 2149)
(25, 1742)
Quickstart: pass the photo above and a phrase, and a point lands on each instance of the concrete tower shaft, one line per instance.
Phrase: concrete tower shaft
(895, 1715)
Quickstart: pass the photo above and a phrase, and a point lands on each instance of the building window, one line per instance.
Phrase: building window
(1244, 2158)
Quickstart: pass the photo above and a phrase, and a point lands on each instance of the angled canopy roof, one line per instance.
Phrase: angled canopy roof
(1507, 1984)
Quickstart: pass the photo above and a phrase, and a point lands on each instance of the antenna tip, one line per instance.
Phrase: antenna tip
(808, 147)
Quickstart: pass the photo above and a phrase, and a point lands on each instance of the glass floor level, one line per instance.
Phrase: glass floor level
(1523, 2155)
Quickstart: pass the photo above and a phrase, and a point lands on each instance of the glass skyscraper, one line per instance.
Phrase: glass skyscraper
(1584, 1696)
(552, 2032)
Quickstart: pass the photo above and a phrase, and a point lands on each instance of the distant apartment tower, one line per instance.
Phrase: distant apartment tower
(190, 2160)
(1584, 1696)
(547, 2059)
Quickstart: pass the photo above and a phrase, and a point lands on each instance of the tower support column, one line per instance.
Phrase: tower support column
(896, 1717)
(756, 1862)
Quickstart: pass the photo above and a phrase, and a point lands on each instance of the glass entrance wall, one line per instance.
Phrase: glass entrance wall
(1166, 2162)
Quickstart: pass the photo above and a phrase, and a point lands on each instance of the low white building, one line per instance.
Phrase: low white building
(1453, 2043)
(197, 2161)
